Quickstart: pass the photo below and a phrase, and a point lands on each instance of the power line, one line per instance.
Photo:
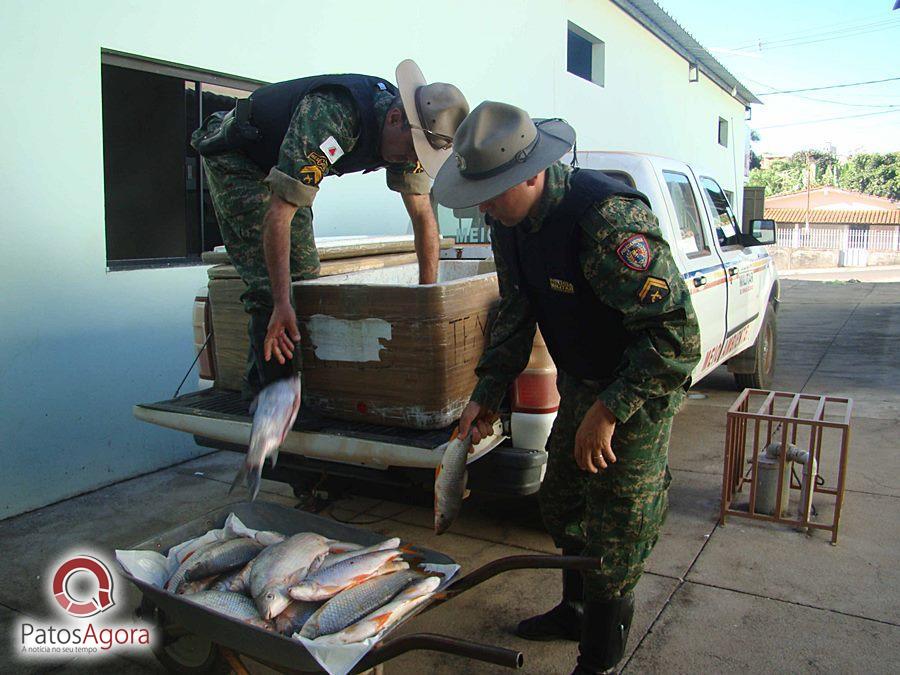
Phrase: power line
(818, 35)
(828, 119)
(811, 32)
(832, 86)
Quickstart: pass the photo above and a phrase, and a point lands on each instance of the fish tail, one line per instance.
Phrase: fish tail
(274, 457)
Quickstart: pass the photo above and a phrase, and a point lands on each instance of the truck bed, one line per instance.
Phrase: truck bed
(219, 404)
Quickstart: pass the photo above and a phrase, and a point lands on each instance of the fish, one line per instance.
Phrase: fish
(450, 482)
(237, 581)
(281, 566)
(276, 410)
(389, 615)
(177, 578)
(191, 587)
(296, 614)
(268, 537)
(349, 606)
(326, 582)
(223, 557)
(335, 558)
(233, 605)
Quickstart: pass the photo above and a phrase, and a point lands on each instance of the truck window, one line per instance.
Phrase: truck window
(691, 238)
(724, 220)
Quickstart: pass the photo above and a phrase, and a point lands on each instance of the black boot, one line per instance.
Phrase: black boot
(563, 622)
(604, 632)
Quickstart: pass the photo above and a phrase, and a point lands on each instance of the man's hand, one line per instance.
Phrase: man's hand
(282, 334)
(480, 422)
(593, 442)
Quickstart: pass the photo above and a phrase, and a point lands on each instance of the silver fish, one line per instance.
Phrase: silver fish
(390, 614)
(237, 581)
(291, 620)
(224, 557)
(281, 566)
(450, 483)
(190, 587)
(233, 605)
(276, 410)
(335, 558)
(327, 582)
(351, 605)
(177, 578)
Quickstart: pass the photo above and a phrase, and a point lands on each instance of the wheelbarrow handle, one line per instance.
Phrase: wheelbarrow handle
(388, 649)
(513, 562)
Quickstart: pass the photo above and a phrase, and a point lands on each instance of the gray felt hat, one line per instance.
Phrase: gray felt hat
(496, 147)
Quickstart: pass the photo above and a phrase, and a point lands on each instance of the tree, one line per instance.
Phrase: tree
(874, 174)
(755, 160)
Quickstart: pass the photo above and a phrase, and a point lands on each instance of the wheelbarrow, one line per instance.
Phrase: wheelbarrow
(194, 639)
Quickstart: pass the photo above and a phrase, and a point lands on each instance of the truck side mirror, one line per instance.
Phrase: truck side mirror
(762, 232)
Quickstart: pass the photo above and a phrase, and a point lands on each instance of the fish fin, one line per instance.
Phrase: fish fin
(241, 475)
(381, 619)
(274, 457)
(253, 404)
(253, 481)
(455, 433)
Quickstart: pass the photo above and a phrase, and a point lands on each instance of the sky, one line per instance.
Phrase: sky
(776, 45)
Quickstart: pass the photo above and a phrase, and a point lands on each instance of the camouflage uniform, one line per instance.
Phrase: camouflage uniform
(240, 192)
(617, 513)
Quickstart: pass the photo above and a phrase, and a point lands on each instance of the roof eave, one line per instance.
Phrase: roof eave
(705, 61)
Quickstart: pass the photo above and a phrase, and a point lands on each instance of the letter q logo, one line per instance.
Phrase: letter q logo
(81, 607)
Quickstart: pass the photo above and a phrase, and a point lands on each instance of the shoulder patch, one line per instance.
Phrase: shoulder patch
(332, 149)
(653, 290)
(635, 253)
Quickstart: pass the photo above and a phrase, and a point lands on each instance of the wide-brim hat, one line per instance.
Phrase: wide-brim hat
(496, 147)
(434, 112)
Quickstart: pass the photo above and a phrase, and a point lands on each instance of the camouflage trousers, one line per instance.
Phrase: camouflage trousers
(616, 514)
(240, 199)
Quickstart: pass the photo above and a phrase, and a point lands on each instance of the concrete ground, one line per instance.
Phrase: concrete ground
(744, 597)
(879, 274)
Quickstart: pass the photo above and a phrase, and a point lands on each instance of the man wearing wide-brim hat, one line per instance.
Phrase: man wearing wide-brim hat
(265, 160)
(581, 256)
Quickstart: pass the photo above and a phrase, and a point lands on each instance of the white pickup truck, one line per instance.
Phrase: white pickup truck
(733, 286)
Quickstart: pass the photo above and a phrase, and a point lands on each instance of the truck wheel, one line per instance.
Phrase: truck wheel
(763, 353)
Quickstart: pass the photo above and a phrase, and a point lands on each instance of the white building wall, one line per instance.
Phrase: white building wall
(81, 344)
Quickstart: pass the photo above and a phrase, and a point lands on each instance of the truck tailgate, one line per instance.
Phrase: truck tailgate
(223, 416)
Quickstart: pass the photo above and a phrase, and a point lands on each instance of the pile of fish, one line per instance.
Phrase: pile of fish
(306, 584)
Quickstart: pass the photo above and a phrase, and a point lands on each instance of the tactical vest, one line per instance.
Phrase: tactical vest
(274, 104)
(584, 336)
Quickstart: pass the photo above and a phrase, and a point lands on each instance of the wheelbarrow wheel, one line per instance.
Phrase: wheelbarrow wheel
(181, 651)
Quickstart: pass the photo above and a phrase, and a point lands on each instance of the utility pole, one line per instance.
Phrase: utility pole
(807, 191)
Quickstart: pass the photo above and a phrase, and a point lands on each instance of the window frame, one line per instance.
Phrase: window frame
(598, 54)
(722, 121)
(706, 250)
(191, 77)
(726, 242)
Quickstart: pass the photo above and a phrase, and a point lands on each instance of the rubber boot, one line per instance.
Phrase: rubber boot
(563, 622)
(604, 633)
(260, 372)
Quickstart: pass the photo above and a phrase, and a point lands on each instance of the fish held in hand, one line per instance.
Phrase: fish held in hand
(351, 605)
(450, 482)
(327, 582)
(276, 410)
(281, 566)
